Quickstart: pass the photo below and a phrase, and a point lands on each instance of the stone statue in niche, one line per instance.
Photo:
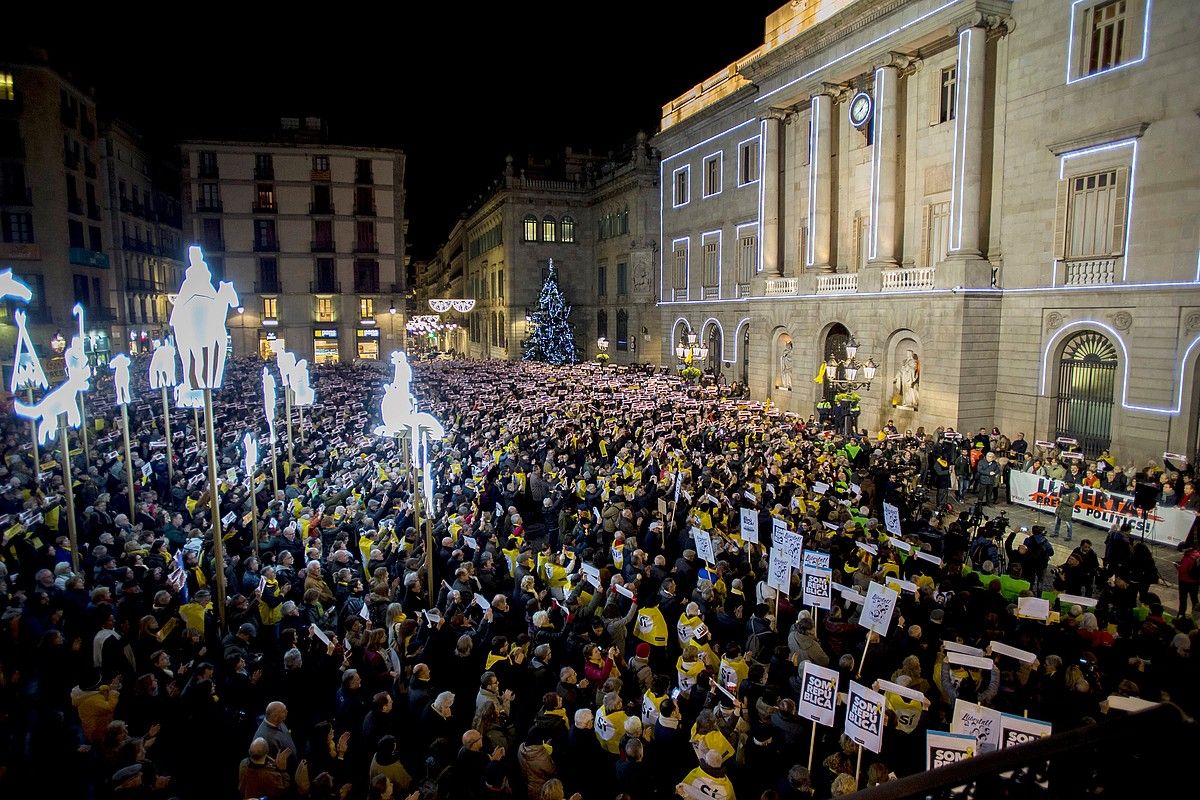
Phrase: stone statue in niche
(785, 365)
(906, 385)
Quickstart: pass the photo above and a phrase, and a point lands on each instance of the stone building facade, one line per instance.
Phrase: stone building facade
(596, 218)
(1003, 195)
(312, 234)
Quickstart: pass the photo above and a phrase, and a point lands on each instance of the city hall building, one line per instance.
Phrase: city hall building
(995, 203)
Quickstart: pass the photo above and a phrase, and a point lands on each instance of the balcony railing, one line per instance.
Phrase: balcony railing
(679, 295)
(145, 285)
(366, 247)
(908, 280)
(214, 245)
(782, 286)
(139, 245)
(710, 292)
(743, 290)
(321, 175)
(840, 283)
(1089, 272)
(323, 246)
(266, 245)
(16, 196)
(87, 258)
(101, 314)
(366, 287)
(269, 208)
(214, 206)
(324, 287)
(320, 208)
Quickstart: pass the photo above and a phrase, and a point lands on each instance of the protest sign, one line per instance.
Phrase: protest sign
(779, 571)
(942, 749)
(704, 546)
(1016, 730)
(877, 610)
(818, 694)
(979, 721)
(750, 525)
(815, 558)
(864, 716)
(818, 588)
(1033, 608)
(891, 519)
(1000, 648)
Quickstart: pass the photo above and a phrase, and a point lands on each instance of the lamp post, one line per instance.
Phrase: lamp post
(688, 351)
(848, 375)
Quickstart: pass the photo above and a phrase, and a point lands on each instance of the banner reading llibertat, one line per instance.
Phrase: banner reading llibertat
(1165, 524)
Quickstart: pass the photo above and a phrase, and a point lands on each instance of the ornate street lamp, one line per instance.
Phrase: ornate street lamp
(688, 351)
(845, 375)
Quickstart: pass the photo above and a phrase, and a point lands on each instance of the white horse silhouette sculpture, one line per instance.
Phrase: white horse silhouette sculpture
(399, 410)
(302, 392)
(119, 364)
(11, 287)
(286, 361)
(251, 446)
(198, 319)
(269, 400)
(60, 399)
(162, 366)
(188, 398)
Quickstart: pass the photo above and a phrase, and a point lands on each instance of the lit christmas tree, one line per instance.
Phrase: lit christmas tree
(550, 337)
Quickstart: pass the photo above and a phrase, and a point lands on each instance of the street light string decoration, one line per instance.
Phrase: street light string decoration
(441, 306)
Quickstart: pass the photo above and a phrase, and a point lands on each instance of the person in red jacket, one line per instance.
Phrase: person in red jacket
(1189, 578)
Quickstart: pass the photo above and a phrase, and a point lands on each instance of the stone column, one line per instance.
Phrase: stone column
(881, 241)
(820, 185)
(772, 148)
(966, 178)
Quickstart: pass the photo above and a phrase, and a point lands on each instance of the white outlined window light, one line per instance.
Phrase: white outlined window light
(681, 188)
(1105, 36)
(714, 168)
(1128, 202)
(711, 248)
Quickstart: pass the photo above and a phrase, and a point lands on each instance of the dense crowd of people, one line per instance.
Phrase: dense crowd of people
(571, 644)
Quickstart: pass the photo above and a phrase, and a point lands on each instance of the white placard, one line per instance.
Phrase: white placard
(1000, 648)
(1016, 730)
(470, 542)
(779, 571)
(974, 662)
(364, 612)
(903, 691)
(593, 573)
(979, 721)
(818, 694)
(777, 525)
(854, 597)
(905, 586)
(820, 487)
(900, 544)
(830, 526)
(750, 525)
(868, 547)
(955, 647)
(1075, 599)
(320, 634)
(864, 716)
(1033, 608)
(818, 588)
(793, 545)
(620, 589)
(877, 610)
(891, 519)
(704, 545)
(1130, 704)
(481, 602)
(932, 559)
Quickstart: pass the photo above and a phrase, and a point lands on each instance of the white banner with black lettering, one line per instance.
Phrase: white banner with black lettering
(943, 749)
(864, 716)
(1165, 524)
(818, 587)
(1016, 730)
(818, 694)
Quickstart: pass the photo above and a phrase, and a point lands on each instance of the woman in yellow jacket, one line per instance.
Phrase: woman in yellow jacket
(96, 707)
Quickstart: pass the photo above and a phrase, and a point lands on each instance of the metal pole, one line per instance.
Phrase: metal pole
(253, 513)
(69, 490)
(196, 427)
(300, 424)
(128, 462)
(167, 429)
(274, 465)
(287, 401)
(215, 505)
(37, 459)
(83, 436)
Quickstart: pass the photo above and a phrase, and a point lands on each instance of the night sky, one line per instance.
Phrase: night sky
(527, 77)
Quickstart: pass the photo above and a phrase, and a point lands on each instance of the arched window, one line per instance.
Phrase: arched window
(601, 324)
(1087, 373)
(568, 229)
(624, 221)
(623, 330)
(530, 232)
(549, 226)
